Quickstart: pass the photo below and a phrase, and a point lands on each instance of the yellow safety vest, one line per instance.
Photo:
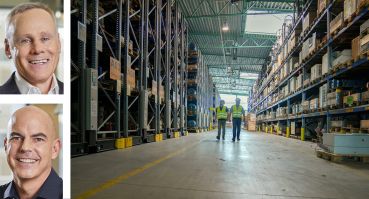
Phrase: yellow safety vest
(236, 112)
(222, 113)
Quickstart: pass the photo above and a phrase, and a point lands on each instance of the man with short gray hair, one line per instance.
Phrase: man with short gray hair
(32, 42)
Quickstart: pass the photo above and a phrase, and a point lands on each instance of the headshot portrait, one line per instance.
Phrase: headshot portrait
(31, 147)
(32, 50)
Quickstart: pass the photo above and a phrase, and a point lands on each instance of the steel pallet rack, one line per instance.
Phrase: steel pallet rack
(122, 69)
(200, 92)
(339, 40)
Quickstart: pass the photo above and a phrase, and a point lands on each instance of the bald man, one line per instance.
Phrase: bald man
(31, 144)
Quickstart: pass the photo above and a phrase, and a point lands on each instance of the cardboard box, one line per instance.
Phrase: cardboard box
(308, 20)
(251, 117)
(355, 47)
(299, 82)
(349, 8)
(307, 79)
(316, 71)
(363, 27)
(114, 69)
(313, 43)
(364, 124)
(293, 128)
(131, 78)
(323, 96)
(314, 103)
(343, 57)
(251, 126)
(331, 99)
(305, 105)
(322, 4)
(351, 99)
(365, 96)
(336, 23)
(337, 123)
(292, 84)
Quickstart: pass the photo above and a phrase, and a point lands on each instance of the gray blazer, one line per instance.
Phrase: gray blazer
(10, 87)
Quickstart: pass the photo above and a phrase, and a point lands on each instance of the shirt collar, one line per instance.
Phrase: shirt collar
(27, 88)
(51, 188)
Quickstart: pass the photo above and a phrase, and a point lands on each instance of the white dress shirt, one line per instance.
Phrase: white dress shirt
(26, 88)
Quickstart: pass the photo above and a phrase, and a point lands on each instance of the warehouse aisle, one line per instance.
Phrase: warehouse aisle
(197, 166)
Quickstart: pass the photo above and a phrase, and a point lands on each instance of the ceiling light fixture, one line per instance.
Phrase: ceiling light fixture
(225, 26)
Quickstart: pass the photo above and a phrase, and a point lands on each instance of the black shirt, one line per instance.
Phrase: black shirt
(52, 188)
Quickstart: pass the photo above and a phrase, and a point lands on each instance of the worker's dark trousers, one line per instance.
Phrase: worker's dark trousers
(221, 127)
(236, 128)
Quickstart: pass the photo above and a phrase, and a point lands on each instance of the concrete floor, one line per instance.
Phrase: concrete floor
(199, 167)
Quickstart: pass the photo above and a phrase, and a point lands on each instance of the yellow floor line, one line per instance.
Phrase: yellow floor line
(114, 181)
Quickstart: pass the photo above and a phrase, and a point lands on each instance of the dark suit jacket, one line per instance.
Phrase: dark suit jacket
(10, 87)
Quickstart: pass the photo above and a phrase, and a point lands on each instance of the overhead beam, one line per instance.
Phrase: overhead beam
(224, 74)
(237, 64)
(267, 12)
(239, 93)
(209, 47)
(238, 56)
(249, 35)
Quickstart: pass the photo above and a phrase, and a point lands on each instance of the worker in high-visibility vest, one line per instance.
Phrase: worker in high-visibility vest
(222, 116)
(237, 113)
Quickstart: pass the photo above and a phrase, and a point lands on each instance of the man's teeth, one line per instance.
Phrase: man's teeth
(27, 160)
(39, 61)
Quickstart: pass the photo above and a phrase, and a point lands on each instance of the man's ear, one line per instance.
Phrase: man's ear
(6, 143)
(55, 148)
(7, 48)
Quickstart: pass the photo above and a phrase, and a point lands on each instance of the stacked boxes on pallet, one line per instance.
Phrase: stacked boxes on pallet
(251, 122)
(308, 20)
(336, 23)
(322, 4)
(323, 96)
(364, 36)
(349, 9)
(316, 72)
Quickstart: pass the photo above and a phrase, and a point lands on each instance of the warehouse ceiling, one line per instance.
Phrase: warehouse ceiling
(232, 56)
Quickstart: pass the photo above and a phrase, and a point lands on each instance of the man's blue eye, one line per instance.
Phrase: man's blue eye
(25, 41)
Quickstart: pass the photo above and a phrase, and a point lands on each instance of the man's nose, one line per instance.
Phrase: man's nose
(37, 47)
(26, 145)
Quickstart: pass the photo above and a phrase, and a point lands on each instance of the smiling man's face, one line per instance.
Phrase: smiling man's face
(31, 144)
(34, 44)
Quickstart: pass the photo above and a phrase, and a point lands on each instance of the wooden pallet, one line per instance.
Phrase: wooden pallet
(336, 130)
(334, 106)
(349, 63)
(364, 54)
(364, 130)
(352, 17)
(350, 129)
(337, 158)
(356, 103)
(322, 109)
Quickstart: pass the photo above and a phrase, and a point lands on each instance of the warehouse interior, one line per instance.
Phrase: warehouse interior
(147, 77)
